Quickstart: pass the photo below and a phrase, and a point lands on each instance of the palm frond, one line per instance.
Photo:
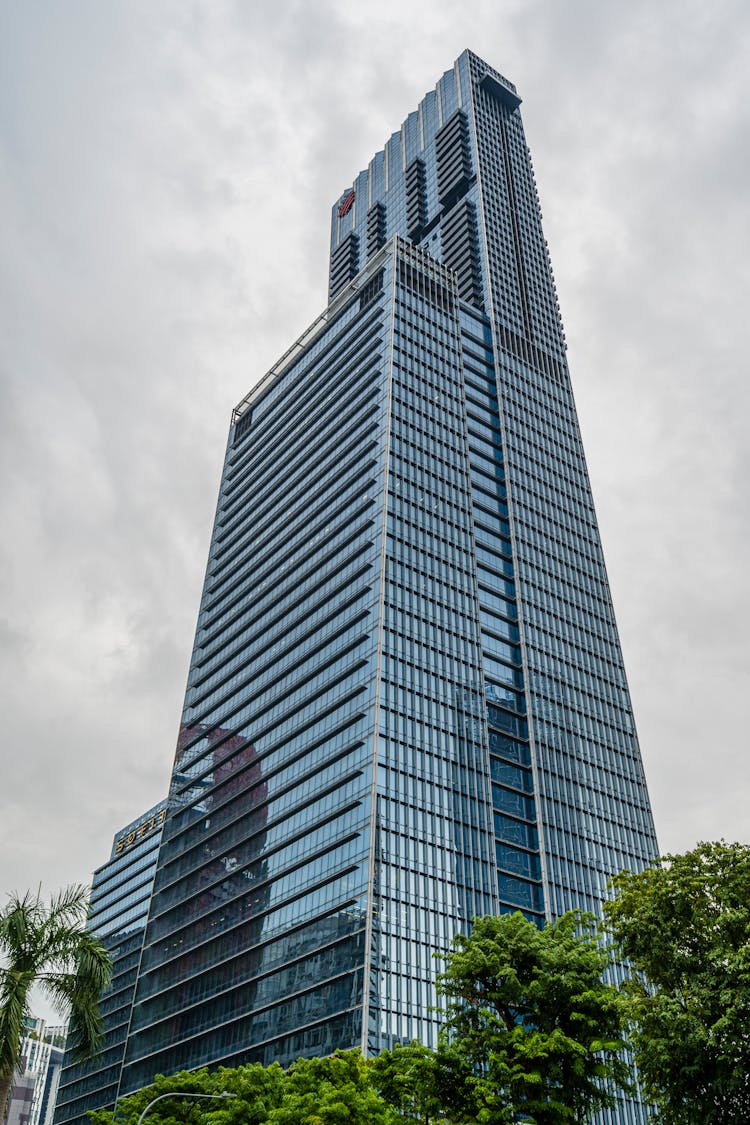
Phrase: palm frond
(14, 1008)
(63, 924)
(93, 963)
(68, 907)
(19, 922)
(86, 1031)
(69, 995)
(80, 991)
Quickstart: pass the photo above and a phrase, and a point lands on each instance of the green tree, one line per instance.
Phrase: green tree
(321, 1091)
(332, 1091)
(48, 946)
(419, 1083)
(529, 1011)
(683, 924)
(256, 1091)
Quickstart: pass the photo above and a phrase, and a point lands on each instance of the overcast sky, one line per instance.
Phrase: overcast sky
(166, 174)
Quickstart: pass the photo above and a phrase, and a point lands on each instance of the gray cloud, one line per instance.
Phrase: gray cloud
(166, 174)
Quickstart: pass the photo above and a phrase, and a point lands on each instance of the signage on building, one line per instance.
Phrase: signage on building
(139, 831)
(346, 204)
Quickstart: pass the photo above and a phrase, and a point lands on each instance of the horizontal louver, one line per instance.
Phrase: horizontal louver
(460, 251)
(344, 264)
(453, 158)
(416, 199)
(376, 229)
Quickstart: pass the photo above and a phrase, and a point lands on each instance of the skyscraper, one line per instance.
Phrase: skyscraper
(406, 703)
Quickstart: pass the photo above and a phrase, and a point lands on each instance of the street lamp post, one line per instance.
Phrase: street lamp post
(182, 1094)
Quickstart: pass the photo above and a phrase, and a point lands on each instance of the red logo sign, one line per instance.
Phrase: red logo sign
(346, 205)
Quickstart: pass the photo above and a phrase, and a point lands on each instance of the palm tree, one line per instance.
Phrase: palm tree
(48, 946)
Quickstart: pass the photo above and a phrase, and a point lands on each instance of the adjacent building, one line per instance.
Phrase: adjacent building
(32, 1096)
(118, 909)
(406, 703)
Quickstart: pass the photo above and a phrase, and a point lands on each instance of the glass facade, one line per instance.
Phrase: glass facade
(118, 909)
(569, 799)
(406, 703)
(256, 945)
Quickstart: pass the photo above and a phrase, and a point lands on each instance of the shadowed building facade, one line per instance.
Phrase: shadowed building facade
(406, 703)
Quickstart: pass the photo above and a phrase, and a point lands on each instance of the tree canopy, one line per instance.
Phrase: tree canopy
(48, 946)
(683, 924)
(531, 1016)
(337, 1090)
(420, 1085)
